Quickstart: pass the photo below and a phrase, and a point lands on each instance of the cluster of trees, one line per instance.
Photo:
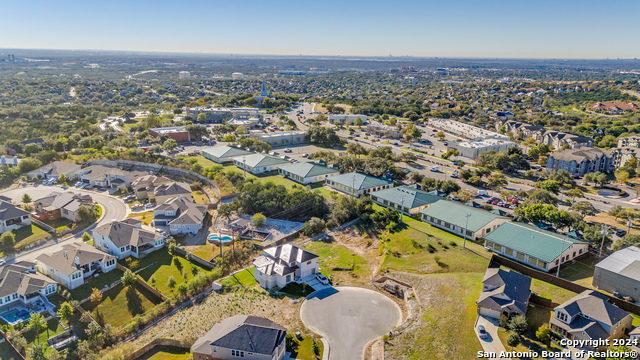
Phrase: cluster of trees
(512, 160)
(323, 136)
(256, 145)
(483, 177)
(376, 162)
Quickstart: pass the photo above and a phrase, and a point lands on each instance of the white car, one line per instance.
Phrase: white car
(323, 279)
(482, 332)
(288, 150)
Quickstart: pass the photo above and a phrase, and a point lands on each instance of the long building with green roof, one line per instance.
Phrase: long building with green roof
(356, 184)
(258, 163)
(450, 216)
(531, 246)
(406, 199)
(224, 154)
(306, 173)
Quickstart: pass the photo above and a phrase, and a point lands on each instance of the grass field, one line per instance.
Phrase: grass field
(120, 305)
(619, 223)
(304, 349)
(161, 265)
(199, 197)
(338, 263)
(551, 292)
(166, 353)
(29, 234)
(146, 216)
(243, 278)
(84, 291)
(53, 328)
(204, 161)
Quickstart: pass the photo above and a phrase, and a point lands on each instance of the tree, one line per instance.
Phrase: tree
(62, 179)
(615, 211)
(8, 240)
(518, 324)
(357, 121)
(584, 208)
(574, 193)
(37, 351)
(196, 131)
(543, 333)
(622, 176)
(202, 117)
(620, 351)
(258, 220)
(65, 312)
(496, 180)
(440, 135)
(313, 226)
(513, 340)
(171, 283)
(37, 324)
(465, 195)
(323, 136)
(54, 355)
(626, 241)
(86, 237)
(170, 144)
(128, 279)
(600, 178)
(182, 289)
(551, 186)
(26, 199)
(84, 213)
(96, 296)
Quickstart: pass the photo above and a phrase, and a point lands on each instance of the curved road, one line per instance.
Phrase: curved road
(349, 318)
(112, 209)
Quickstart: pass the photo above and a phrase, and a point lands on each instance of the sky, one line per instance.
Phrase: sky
(445, 28)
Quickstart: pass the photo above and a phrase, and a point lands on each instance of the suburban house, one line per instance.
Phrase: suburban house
(181, 215)
(619, 273)
(161, 193)
(21, 285)
(242, 336)
(614, 107)
(356, 184)
(306, 173)
(12, 217)
(9, 161)
(258, 163)
(122, 239)
(504, 292)
(144, 184)
(224, 154)
(62, 204)
(450, 216)
(406, 199)
(582, 161)
(75, 263)
(104, 176)
(589, 316)
(54, 170)
(534, 247)
(280, 265)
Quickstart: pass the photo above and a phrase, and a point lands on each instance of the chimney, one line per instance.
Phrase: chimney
(77, 261)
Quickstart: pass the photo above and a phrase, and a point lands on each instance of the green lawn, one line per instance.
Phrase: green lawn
(335, 259)
(120, 305)
(199, 197)
(59, 224)
(304, 349)
(6, 352)
(53, 328)
(551, 292)
(29, 234)
(204, 161)
(161, 265)
(243, 278)
(166, 353)
(84, 291)
(146, 216)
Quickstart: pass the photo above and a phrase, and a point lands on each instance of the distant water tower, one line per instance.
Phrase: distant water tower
(237, 76)
(184, 75)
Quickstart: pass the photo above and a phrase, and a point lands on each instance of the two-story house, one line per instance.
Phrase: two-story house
(21, 286)
(181, 215)
(589, 316)
(54, 169)
(242, 336)
(280, 265)
(122, 239)
(12, 217)
(75, 263)
(504, 292)
(104, 176)
(62, 204)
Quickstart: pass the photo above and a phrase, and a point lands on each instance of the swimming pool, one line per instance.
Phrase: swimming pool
(217, 238)
(15, 316)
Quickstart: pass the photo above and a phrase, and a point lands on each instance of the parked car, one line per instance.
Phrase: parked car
(287, 150)
(305, 155)
(513, 207)
(454, 174)
(2, 262)
(482, 332)
(323, 279)
(149, 206)
(495, 202)
(620, 233)
(435, 168)
(500, 203)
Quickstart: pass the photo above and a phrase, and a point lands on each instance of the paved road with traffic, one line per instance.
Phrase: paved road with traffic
(349, 318)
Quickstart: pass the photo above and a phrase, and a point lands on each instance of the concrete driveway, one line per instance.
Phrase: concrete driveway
(492, 343)
(349, 318)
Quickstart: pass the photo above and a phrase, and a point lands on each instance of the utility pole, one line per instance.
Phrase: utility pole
(466, 225)
(353, 184)
(604, 232)
(402, 208)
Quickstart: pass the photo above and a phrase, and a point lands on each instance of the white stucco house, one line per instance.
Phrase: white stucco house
(122, 239)
(280, 265)
(181, 215)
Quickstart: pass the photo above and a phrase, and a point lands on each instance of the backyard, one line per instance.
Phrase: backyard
(145, 216)
(119, 305)
(59, 224)
(6, 352)
(29, 234)
(84, 291)
(199, 197)
(161, 265)
(166, 353)
(242, 278)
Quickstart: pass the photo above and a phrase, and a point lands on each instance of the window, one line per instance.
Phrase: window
(561, 316)
(309, 262)
(288, 278)
(520, 256)
(488, 244)
(237, 353)
(14, 296)
(533, 261)
(497, 247)
(508, 251)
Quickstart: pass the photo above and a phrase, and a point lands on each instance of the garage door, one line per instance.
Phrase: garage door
(490, 312)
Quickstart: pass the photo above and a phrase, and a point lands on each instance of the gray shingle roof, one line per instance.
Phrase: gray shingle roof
(172, 188)
(17, 278)
(64, 260)
(278, 260)
(121, 234)
(187, 212)
(515, 286)
(361, 181)
(244, 333)
(9, 211)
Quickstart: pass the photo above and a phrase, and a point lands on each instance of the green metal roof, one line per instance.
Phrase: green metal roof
(413, 197)
(259, 160)
(361, 181)
(307, 169)
(225, 151)
(526, 239)
(453, 213)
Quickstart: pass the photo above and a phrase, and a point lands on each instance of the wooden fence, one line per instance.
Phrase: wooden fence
(17, 353)
(143, 283)
(157, 342)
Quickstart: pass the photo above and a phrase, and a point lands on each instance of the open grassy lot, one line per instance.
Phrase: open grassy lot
(29, 234)
(84, 291)
(580, 272)
(120, 305)
(551, 292)
(243, 278)
(205, 251)
(161, 265)
(199, 197)
(339, 263)
(619, 223)
(166, 353)
(204, 161)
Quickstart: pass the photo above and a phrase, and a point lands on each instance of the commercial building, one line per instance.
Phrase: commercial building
(279, 138)
(306, 173)
(177, 133)
(406, 199)
(463, 130)
(619, 273)
(242, 337)
(540, 249)
(237, 76)
(347, 119)
(450, 216)
(258, 163)
(384, 131)
(75, 263)
(217, 115)
(184, 75)
(472, 148)
(224, 154)
(590, 316)
(249, 123)
(357, 184)
(504, 292)
(582, 161)
(281, 265)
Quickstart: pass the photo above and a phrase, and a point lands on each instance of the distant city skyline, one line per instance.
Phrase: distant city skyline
(589, 29)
